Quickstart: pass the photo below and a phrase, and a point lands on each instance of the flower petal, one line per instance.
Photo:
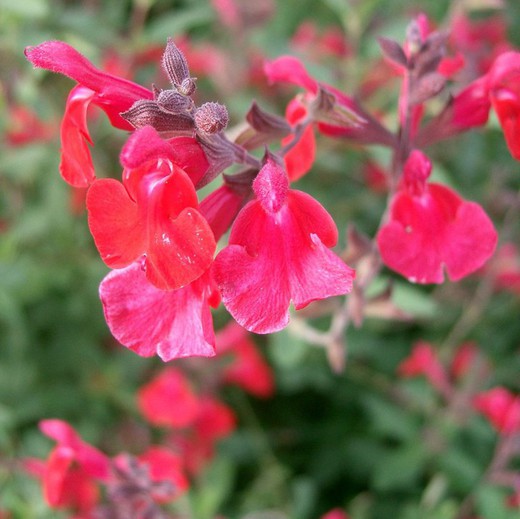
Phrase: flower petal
(149, 321)
(115, 223)
(76, 165)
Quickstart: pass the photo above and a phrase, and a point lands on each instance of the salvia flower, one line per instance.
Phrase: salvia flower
(73, 470)
(111, 93)
(149, 321)
(501, 408)
(154, 211)
(430, 229)
(278, 253)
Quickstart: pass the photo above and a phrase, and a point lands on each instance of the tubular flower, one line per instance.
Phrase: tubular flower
(431, 228)
(111, 93)
(72, 469)
(505, 97)
(153, 212)
(279, 253)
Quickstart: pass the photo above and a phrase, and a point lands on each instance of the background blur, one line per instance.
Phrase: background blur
(323, 440)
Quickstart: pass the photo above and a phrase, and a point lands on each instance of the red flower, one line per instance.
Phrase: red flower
(153, 212)
(504, 78)
(335, 513)
(25, 127)
(149, 321)
(214, 422)
(247, 368)
(300, 158)
(155, 400)
(111, 93)
(464, 359)
(423, 361)
(430, 228)
(353, 122)
(71, 471)
(501, 408)
(165, 465)
(277, 254)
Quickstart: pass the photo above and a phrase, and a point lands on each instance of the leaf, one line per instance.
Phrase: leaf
(413, 300)
(178, 22)
(399, 469)
(26, 9)
(491, 503)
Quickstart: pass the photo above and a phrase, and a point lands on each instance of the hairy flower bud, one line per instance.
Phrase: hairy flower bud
(211, 118)
(172, 101)
(174, 64)
(149, 113)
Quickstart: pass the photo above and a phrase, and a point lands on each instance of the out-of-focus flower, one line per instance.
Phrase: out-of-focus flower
(501, 408)
(168, 400)
(424, 361)
(431, 228)
(244, 365)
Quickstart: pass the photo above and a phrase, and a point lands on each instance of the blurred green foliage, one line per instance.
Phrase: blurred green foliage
(325, 439)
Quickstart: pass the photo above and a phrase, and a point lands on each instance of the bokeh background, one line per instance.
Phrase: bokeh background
(360, 440)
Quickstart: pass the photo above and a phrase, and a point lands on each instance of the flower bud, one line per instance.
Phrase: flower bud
(211, 118)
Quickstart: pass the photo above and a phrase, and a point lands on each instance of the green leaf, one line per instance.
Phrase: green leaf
(213, 488)
(178, 22)
(491, 503)
(26, 9)
(399, 469)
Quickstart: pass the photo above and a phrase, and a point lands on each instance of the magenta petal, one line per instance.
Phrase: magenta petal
(144, 145)
(76, 166)
(433, 231)
(254, 290)
(179, 251)
(273, 259)
(288, 69)
(471, 241)
(149, 321)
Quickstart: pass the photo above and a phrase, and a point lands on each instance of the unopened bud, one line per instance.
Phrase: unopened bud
(174, 64)
(211, 118)
(172, 101)
(187, 87)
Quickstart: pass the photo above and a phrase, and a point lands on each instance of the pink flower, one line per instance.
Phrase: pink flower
(111, 93)
(278, 253)
(164, 465)
(72, 470)
(353, 122)
(504, 78)
(25, 127)
(501, 408)
(214, 422)
(464, 359)
(156, 398)
(300, 158)
(430, 228)
(246, 368)
(423, 361)
(149, 321)
(153, 212)
(335, 513)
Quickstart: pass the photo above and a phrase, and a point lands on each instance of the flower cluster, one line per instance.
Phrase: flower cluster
(190, 421)
(151, 229)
